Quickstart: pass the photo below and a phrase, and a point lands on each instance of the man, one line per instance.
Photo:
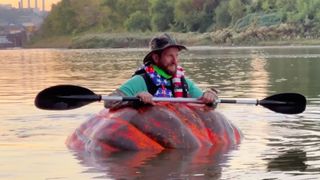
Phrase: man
(161, 76)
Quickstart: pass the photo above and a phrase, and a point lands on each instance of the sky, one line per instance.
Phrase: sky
(14, 3)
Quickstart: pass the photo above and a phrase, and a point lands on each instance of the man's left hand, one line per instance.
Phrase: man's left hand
(209, 97)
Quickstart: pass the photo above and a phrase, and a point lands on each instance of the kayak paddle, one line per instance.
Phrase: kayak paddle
(65, 97)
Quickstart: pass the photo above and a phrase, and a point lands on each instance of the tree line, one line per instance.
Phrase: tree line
(70, 17)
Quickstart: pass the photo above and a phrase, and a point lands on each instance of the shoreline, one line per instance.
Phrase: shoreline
(128, 40)
(195, 48)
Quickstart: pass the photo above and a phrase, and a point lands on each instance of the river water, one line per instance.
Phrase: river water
(275, 146)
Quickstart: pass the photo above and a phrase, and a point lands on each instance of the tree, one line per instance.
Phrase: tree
(269, 5)
(88, 13)
(70, 17)
(137, 21)
(192, 16)
(222, 16)
(121, 10)
(61, 21)
(162, 12)
(285, 5)
(236, 10)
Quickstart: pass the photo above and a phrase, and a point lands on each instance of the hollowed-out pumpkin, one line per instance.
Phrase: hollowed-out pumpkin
(166, 125)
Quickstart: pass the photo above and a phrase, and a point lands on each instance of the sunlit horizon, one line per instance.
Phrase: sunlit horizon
(14, 3)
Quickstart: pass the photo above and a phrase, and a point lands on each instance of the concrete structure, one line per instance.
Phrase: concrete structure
(5, 43)
(17, 38)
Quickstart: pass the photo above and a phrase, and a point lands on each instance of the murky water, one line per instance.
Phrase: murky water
(276, 146)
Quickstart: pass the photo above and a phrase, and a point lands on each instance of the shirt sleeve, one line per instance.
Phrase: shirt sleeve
(134, 86)
(194, 90)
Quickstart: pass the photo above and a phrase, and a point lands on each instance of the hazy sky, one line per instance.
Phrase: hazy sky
(14, 3)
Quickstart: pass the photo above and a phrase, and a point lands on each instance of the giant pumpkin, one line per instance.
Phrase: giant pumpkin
(163, 126)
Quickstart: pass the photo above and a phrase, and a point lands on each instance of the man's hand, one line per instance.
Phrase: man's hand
(146, 98)
(209, 97)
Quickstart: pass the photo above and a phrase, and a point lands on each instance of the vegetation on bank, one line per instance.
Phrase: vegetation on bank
(123, 23)
(50, 42)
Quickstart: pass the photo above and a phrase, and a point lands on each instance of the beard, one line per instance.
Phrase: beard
(170, 69)
(169, 66)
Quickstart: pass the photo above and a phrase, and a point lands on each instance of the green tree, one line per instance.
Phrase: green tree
(162, 12)
(88, 13)
(138, 21)
(285, 5)
(61, 21)
(116, 14)
(222, 17)
(302, 10)
(236, 10)
(75, 16)
(120, 11)
(192, 15)
(269, 5)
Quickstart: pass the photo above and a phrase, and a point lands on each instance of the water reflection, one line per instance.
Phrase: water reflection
(291, 160)
(168, 164)
(238, 73)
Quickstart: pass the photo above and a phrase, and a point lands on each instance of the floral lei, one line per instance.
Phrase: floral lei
(163, 83)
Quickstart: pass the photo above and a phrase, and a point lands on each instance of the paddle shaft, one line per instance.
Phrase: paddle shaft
(194, 100)
(181, 100)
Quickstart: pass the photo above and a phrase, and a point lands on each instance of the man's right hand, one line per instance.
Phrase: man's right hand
(146, 98)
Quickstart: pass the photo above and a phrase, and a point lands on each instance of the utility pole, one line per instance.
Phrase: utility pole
(36, 4)
(43, 5)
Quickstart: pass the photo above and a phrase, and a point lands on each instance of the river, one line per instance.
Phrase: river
(275, 146)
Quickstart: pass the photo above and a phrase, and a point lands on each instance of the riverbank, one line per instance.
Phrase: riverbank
(141, 40)
(50, 42)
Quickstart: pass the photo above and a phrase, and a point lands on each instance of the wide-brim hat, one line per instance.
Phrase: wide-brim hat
(160, 43)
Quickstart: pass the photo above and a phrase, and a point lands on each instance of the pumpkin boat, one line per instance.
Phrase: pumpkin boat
(164, 126)
(167, 125)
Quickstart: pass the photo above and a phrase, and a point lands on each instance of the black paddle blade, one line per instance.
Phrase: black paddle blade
(64, 97)
(286, 103)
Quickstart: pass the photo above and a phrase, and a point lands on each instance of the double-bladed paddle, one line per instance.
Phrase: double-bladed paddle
(65, 97)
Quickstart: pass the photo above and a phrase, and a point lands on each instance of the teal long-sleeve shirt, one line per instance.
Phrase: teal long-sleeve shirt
(137, 84)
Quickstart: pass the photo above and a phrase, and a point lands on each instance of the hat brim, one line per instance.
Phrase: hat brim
(148, 57)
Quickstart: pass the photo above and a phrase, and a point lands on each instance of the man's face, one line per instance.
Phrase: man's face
(168, 61)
